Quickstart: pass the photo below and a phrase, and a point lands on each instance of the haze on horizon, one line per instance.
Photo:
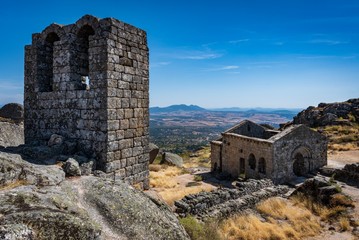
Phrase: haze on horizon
(269, 54)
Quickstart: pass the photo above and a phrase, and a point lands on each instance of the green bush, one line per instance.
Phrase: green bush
(197, 178)
(200, 231)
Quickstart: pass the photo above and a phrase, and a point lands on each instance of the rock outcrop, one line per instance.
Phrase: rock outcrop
(349, 174)
(153, 152)
(11, 134)
(13, 111)
(342, 113)
(172, 159)
(37, 202)
(223, 202)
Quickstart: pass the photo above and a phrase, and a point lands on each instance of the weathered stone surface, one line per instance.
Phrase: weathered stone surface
(349, 174)
(11, 134)
(172, 159)
(223, 202)
(250, 150)
(86, 208)
(153, 152)
(88, 82)
(12, 111)
(13, 168)
(131, 212)
(55, 139)
(329, 114)
(72, 167)
(319, 189)
(15, 232)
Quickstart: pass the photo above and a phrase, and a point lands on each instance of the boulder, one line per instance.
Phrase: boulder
(13, 111)
(14, 169)
(87, 167)
(328, 119)
(172, 159)
(55, 140)
(11, 134)
(88, 207)
(72, 167)
(153, 152)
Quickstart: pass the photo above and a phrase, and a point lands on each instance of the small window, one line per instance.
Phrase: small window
(248, 128)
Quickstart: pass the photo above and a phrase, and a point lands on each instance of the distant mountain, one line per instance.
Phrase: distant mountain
(177, 108)
(258, 110)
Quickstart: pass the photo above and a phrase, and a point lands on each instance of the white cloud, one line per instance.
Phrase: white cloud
(327, 42)
(159, 64)
(229, 67)
(239, 41)
(198, 56)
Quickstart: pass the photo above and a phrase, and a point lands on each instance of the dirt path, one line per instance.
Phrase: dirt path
(107, 232)
(339, 159)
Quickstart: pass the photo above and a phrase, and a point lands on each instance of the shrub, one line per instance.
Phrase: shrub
(200, 231)
(197, 178)
(344, 224)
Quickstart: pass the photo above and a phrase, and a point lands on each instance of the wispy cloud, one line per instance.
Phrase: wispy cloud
(327, 41)
(313, 57)
(199, 55)
(239, 41)
(160, 64)
(6, 84)
(224, 68)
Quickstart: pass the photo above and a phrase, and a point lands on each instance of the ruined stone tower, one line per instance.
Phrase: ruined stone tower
(89, 82)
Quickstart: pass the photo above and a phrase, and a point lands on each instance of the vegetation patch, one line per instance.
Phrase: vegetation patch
(200, 231)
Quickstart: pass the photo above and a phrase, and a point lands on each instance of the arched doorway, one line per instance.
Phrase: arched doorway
(252, 161)
(262, 166)
(301, 161)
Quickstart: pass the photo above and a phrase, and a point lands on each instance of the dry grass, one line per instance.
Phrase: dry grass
(341, 200)
(342, 138)
(283, 221)
(344, 224)
(201, 160)
(174, 194)
(13, 185)
(163, 177)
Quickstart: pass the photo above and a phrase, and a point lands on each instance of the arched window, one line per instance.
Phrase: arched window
(45, 70)
(252, 161)
(83, 55)
(262, 166)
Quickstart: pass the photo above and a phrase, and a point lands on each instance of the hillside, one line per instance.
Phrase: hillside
(339, 121)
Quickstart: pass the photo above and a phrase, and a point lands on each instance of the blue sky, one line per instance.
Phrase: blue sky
(225, 53)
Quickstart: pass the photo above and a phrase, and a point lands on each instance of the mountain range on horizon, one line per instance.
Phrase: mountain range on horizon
(195, 108)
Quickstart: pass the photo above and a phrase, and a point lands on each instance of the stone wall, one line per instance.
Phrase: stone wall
(310, 144)
(88, 82)
(236, 147)
(216, 149)
(222, 203)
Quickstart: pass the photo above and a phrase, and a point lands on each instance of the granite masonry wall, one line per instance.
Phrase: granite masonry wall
(279, 156)
(89, 82)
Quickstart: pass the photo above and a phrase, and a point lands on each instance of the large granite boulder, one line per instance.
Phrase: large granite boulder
(47, 206)
(14, 169)
(13, 111)
(153, 152)
(172, 159)
(11, 134)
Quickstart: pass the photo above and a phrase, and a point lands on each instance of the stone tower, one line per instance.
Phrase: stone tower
(89, 82)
